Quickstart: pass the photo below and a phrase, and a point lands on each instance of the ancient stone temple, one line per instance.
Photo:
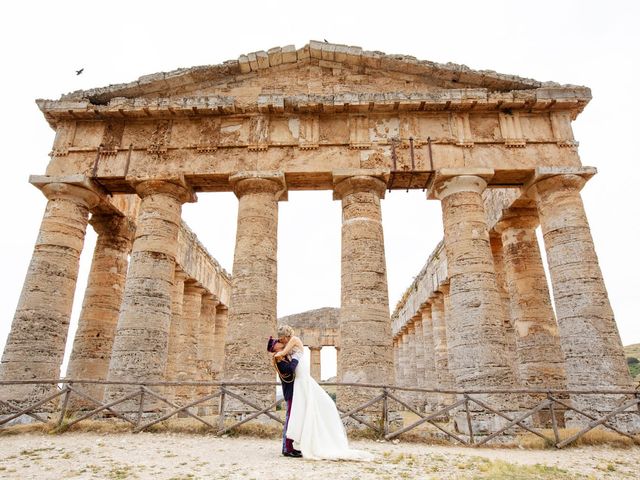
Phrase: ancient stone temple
(316, 328)
(497, 151)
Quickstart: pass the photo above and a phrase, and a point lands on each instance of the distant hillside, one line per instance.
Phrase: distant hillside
(633, 352)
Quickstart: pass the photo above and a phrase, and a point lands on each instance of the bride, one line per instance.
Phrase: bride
(314, 423)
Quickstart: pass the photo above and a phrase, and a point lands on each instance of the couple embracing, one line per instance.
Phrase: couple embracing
(312, 423)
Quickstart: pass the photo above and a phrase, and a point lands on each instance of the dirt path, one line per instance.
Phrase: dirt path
(182, 456)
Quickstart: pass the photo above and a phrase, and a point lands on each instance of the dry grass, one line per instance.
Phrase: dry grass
(174, 425)
(501, 470)
(29, 428)
(597, 436)
(425, 434)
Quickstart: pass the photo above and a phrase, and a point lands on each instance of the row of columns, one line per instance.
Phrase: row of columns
(467, 324)
(141, 320)
(150, 295)
(497, 306)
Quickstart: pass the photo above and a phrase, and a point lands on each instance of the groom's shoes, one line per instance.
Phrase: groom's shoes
(293, 454)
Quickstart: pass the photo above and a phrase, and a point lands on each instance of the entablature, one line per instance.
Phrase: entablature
(308, 147)
(572, 99)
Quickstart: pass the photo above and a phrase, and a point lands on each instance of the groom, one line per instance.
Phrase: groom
(286, 371)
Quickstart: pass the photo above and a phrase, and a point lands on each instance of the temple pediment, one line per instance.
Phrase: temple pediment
(319, 77)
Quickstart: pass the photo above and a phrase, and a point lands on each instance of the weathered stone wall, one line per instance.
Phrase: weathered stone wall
(198, 264)
(316, 328)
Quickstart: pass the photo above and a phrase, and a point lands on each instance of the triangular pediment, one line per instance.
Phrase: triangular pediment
(318, 68)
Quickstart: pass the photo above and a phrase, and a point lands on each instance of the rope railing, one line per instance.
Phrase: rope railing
(375, 413)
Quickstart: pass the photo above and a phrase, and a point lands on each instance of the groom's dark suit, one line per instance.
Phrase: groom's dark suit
(286, 372)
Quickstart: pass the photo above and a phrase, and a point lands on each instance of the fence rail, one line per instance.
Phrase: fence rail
(466, 404)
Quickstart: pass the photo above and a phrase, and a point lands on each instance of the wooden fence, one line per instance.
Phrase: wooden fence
(468, 403)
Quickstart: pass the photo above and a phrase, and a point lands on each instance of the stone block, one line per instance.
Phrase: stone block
(245, 65)
(263, 60)
(275, 56)
(289, 54)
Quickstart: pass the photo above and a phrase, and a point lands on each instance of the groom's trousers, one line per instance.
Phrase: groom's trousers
(287, 444)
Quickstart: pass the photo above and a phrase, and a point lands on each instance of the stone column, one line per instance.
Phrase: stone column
(441, 351)
(419, 348)
(411, 362)
(220, 335)
(419, 365)
(428, 347)
(594, 357)
(365, 324)
(403, 379)
(430, 379)
(315, 363)
(396, 355)
(478, 354)
(187, 355)
(205, 348)
(36, 341)
(142, 335)
(102, 299)
(252, 309)
(539, 356)
(412, 378)
(207, 337)
(175, 329)
(402, 357)
(498, 261)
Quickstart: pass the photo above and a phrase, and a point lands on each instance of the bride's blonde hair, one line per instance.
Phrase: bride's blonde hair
(285, 331)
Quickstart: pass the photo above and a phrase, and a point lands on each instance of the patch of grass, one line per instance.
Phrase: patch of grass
(500, 470)
(93, 468)
(28, 428)
(362, 433)
(94, 426)
(597, 436)
(34, 452)
(120, 472)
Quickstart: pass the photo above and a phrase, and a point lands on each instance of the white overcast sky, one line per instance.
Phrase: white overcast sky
(592, 43)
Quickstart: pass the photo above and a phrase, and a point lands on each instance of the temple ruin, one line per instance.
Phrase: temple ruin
(316, 328)
(497, 151)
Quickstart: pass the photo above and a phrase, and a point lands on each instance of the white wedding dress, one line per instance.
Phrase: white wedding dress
(314, 422)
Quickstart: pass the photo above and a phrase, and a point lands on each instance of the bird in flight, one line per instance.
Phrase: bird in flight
(78, 72)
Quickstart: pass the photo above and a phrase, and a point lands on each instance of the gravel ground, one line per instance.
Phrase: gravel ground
(186, 456)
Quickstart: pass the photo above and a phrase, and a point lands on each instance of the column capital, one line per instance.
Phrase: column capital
(350, 181)
(193, 287)
(179, 274)
(113, 224)
(559, 178)
(520, 218)
(54, 191)
(73, 187)
(425, 309)
(175, 187)
(437, 295)
(210, 299)
(259, 182)
(447, 181)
